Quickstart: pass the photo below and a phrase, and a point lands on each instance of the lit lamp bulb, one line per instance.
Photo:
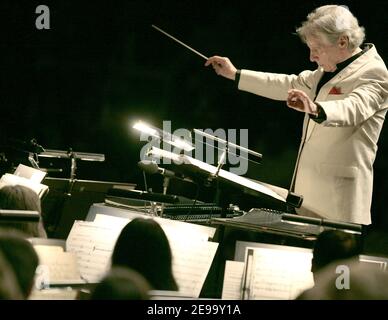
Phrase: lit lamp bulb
(145, 128)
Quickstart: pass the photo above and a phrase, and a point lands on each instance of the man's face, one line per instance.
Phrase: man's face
(325, 54)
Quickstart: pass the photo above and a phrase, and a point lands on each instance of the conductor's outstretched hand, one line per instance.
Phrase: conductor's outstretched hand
(222, 66)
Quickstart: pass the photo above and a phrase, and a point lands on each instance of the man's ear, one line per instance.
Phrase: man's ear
(343, 42)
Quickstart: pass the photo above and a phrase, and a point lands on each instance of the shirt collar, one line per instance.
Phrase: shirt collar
(344, 64)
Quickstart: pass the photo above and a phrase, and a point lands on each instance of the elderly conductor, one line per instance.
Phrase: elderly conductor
(344, 101)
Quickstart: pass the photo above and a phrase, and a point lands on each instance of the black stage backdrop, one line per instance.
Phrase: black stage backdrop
(101, 66)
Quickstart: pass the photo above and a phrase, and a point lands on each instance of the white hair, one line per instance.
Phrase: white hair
(332, 22)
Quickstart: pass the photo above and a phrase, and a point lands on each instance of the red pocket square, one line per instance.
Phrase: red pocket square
(335, 90)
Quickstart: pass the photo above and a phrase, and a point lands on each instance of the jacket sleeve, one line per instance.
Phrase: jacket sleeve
(275, 86)
(369, 96)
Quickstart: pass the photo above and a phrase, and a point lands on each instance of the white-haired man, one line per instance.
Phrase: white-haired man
(344, 101)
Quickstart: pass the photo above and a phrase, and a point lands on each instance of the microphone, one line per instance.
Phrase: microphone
(36, 148)
(151, 167)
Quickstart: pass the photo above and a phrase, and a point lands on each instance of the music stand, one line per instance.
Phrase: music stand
(212, 172)
(73, 156)
(247, 185)
(226, 149)
(60, 209)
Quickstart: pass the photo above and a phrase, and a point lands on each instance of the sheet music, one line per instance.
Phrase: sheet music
(191, 264)
(241, 247)
(184, 227)
(93, 244)
(280, 274)
(10, 179)
(185, 230)
(233, 275)
(173, 229)
(235, 178)
(53, 294)
(111, 221)
(60, 267)
(32, 174)
(379, 262)
(191, 251)
(47, 249)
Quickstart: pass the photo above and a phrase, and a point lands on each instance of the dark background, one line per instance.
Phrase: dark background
(101, 66)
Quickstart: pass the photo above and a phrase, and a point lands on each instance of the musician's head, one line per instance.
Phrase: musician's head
(332, 33)
(18, 197)
(22, 258)
(333, 245)
(143, 246)
(9, 286)
(121, 283)
(349, 279)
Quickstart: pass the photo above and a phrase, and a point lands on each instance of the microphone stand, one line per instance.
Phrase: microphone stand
(33, 154)
(221, 161)
(166, 182)
(33, 158)
(67, 194)
(73, 169)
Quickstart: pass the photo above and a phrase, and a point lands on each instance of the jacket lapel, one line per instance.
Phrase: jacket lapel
(346, 72)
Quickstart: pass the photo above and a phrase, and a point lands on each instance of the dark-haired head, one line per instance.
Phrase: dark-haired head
(332, 245)
(143, 246)
(21, 257)
(9, 287)
(121, 284)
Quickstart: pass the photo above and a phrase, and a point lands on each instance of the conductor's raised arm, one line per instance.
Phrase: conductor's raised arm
(222, 66)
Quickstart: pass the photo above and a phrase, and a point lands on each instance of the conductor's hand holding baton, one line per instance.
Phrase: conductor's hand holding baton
(296, 99)
(222, 66)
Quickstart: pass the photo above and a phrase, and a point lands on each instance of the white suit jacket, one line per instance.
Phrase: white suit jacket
(335, 169)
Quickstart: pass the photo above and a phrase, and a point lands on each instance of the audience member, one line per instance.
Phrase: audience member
(121, 284)
(143, 246)
(17, 197)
